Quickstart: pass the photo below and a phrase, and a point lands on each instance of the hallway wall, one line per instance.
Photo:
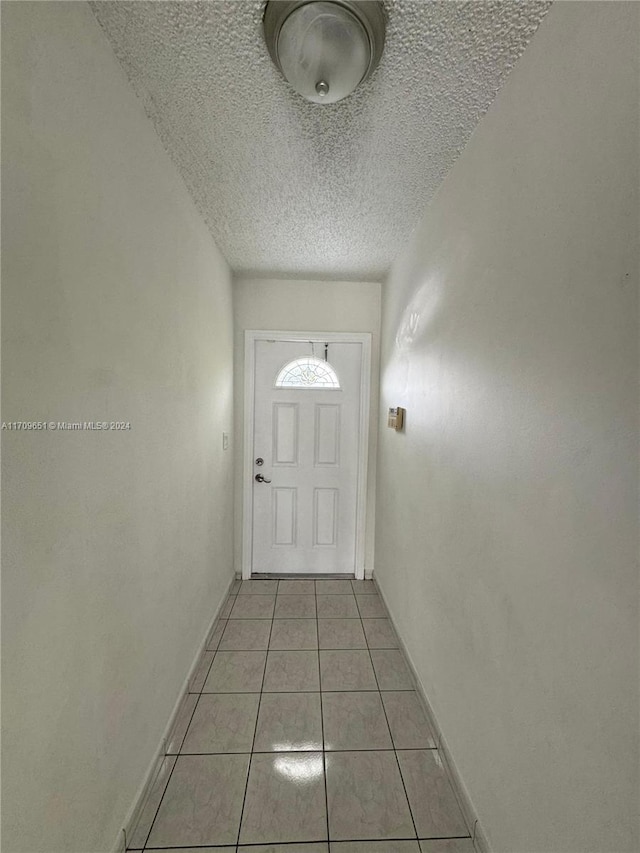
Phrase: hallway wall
(117, 546)
(299, 306)
(507, 529)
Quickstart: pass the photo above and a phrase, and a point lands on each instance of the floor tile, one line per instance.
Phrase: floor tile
(236, 672)
(370, 606)
(203, 801)
(341, 634)
(364, 587)
(223, 722)
(334, 587)
(246, 635)
(375, 847)
(354, 721)
(284, 848)
(366, 797)
(253, 607)
(289, 722)
(295, 607)
(183, 718)
(297, 588)
(258, 587)
(448, 845)
(288, 672)
(346, 670)
(227, 607)
(434, 806)
(235, 586)
(145, 821)
(285, 799)
(380, 634)
(391, 670)
(199, 676)
(407, 720)
(294, 634)
(271, 638)
(337, 607)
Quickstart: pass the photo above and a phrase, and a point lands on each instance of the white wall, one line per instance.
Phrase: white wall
(300, 306)
(507, 512)
(117, 546)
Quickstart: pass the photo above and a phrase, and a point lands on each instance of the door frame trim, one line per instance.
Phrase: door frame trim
(251, 336)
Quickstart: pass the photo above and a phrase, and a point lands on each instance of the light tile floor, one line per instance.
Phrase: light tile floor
(301, 733)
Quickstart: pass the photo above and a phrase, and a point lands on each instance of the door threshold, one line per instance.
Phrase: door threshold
(273, 576)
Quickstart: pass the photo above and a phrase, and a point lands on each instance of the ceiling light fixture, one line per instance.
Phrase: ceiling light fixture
(325, 48)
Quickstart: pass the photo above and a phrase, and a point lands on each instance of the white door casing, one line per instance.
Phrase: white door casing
(311, 517)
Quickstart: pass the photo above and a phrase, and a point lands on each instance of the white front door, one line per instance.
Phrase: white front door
(306, 451)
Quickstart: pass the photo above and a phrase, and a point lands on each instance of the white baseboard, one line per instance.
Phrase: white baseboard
(143, 791)
(462, 795)
(480, 839)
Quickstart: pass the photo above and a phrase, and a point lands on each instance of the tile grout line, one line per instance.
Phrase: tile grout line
(395, 751)
(255, 728)
(324, 751)
(188, 726)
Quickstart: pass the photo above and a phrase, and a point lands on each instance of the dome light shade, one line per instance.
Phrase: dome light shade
(324, 48)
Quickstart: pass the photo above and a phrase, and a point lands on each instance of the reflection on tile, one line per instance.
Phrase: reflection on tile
(337, 607)
(198, 677)
(297, 588)
(380, 634)
(364, 587)
(375, 847)
(215, 635)
(253, 587)
(236, 672)
(289, 722)
(365, 796)
(291, 671)
(448, 845)
(294, 634)
(407, 721)
(223, 722)
(253, 607)
(434, 806)
(285, 848)
(140, 833)
(203, 801)
(183, 718)
(295, 607)
(227, 607)
(391, 670)
(246, 635)
(370, 606)
(341, 634)
(354, 721)
(285, 799)
(334, 587)
(346, 670)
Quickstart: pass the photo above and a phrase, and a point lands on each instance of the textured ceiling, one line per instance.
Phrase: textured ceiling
(292, 188)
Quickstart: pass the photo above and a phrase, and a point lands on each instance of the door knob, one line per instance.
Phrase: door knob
(260, 479)
(259, 461)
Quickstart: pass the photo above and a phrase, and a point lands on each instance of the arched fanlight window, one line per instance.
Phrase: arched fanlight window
(307, 372)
